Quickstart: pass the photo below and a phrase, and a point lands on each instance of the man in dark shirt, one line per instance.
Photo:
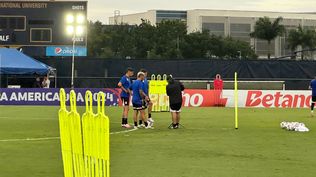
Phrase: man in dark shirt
(174, 91)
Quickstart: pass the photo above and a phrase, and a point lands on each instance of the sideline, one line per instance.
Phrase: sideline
(56, 138)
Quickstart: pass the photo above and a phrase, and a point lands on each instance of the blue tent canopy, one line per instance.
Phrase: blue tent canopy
(13, 62)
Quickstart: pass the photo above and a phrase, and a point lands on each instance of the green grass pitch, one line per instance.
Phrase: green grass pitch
(208, 146)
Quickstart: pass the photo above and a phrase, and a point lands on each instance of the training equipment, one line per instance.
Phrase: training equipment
(84, 142)
(158, 93)
(236, 101)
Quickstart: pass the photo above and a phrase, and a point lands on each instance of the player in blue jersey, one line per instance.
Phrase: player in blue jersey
(125, 84)
(312, 86)
(138, 98)
(148, 103)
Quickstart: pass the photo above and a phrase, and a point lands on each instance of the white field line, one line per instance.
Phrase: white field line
(55, 138)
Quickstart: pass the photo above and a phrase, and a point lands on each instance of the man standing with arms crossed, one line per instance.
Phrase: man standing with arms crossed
(125, 84)
(312, 86)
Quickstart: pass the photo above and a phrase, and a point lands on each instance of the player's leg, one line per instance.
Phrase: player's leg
(149, 109)
(178, 111)
(135, 115)
(178, 118)
(313, 105)
(141, 119)
(174, 119)
(125, 102)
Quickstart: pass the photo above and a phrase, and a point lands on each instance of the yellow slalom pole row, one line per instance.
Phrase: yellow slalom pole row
(85, 142)
(236, 102)
(158, 93)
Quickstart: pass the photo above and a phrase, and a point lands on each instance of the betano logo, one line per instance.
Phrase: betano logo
(278, 99)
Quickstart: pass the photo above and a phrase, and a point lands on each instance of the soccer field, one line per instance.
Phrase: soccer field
(207, 146)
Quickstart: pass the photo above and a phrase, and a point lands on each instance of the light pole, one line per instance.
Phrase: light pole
(239, 52)
(75, 28)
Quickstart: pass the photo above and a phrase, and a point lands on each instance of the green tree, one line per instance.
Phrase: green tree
(144, 37)
(96, 39)
(305, 38)
(169, 37)
(267, 30)
(236, 48)
(196, 45)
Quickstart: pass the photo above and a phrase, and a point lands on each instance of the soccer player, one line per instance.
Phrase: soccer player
(138, 98)
(147, 103)
(125, 84)
(174, 91)
(313, 88)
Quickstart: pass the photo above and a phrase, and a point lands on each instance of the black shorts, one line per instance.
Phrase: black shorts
(313, 98)
(125, 101)
(138, 106)
(175, 107)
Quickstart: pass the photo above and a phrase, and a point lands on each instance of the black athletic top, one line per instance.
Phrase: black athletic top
(174, 89)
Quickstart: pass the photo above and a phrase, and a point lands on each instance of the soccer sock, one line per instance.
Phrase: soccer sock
(146, 124)
(312, 107)
(123, 121)
(149, 115)
(140, 122)
(135, 123)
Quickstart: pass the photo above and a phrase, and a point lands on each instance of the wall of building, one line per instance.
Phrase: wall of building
(234, 23)
(239, 24)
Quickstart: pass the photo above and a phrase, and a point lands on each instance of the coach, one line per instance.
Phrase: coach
(174, 91)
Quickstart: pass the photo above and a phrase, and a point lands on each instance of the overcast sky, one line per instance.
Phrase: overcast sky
(102, 9)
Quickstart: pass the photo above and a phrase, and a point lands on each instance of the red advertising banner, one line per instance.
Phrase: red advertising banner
(203, 98)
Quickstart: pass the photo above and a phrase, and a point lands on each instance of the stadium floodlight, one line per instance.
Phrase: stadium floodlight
(79, 30)
(70, 19)
(70, 30)
(80, 19)
(75, 27)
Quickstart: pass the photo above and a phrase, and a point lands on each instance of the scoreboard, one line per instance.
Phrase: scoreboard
(38, 27)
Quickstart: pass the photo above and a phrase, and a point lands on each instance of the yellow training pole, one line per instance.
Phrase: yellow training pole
(236, 102)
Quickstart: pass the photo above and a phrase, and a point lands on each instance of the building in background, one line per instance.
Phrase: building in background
(39, 27)
(234, 23)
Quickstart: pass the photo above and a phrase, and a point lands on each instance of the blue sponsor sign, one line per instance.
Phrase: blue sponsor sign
(65, 51)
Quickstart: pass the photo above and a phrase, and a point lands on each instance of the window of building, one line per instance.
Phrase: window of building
(262, 47)
(214, 28)
(41, 34)
(171, 15)
(16, 23)
(240, 31)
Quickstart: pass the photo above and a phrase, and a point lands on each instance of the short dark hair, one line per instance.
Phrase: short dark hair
(129, 69)
(170, 79)
(143, 70)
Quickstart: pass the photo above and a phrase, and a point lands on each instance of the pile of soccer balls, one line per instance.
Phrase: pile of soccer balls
(294, 126)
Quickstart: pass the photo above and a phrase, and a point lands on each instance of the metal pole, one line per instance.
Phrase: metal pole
(73, 61)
